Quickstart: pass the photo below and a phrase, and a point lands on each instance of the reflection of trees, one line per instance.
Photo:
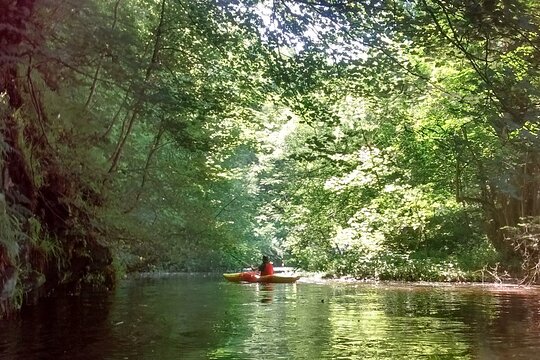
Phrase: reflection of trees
(493, 323)
(356, 325)
(309, 323)
(63, 327)
(167, 317)
(373, 323)
(513, 332)
(193, 318)
(296, 323)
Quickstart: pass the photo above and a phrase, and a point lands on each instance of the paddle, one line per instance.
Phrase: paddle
(231, 254)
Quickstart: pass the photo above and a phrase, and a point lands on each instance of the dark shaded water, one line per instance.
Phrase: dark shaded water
(195, 317)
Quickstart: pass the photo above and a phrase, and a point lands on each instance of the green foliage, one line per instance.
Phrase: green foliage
(432, 140)
(388, 141)
(524, 238)
(11, 232)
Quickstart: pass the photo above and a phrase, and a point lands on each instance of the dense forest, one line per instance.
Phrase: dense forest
(381, 139)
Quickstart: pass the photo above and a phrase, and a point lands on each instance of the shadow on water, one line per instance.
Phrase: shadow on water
(61, 327)
(194, 317)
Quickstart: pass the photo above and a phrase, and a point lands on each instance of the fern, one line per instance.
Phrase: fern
(10, 231)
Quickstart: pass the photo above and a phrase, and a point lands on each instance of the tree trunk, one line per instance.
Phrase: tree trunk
(100, 61)
(139, 99)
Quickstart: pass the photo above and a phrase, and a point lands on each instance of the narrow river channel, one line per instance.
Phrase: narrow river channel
(204, 317)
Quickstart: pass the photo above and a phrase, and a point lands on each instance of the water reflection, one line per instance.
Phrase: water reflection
(206, 318)
(58, 329)
(266, 292)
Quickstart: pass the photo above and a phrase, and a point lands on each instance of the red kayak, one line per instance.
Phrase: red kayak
(252, 277)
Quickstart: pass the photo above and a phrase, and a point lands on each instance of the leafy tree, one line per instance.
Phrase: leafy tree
(476, 60)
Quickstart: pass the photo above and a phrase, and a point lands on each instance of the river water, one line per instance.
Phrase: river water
(204, 317)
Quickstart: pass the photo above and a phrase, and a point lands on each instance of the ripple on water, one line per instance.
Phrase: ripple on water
(189, 317)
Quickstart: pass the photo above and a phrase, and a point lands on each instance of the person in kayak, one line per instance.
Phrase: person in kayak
(266, 268)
